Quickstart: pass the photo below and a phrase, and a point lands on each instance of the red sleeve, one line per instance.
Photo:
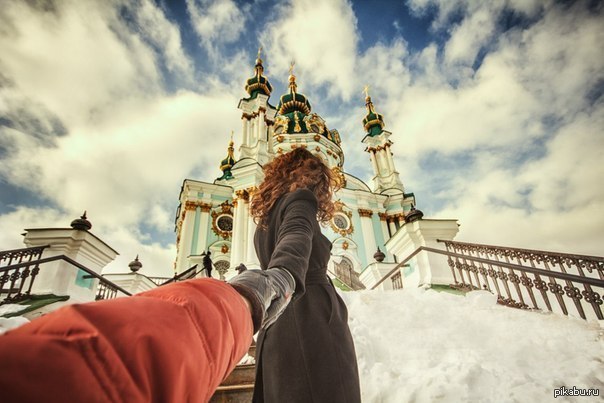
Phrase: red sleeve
(175, 343)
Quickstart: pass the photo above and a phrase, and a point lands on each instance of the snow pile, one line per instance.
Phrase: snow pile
(423, 346)
(7, 324)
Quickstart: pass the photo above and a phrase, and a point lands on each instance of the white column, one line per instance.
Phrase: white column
(392, 226)
(368, 237)
(389, 159)
(253, 129)
(372, 157)
(186, 237)
(251, 258)
(204, 223)
(246, 128)
(261, 125)
(385, 165)
(238, 234)
(384, 226)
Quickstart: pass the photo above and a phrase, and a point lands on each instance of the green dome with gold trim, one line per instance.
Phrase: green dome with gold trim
(227, 163)
(258, 84)
(293, 101)
(373, 121)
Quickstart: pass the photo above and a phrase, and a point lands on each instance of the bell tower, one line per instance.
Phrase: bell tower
(378, 146)
(257, 116)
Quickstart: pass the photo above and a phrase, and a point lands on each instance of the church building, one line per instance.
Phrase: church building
(214, 216)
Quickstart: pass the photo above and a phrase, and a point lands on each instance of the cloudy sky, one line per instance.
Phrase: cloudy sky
(496, 109)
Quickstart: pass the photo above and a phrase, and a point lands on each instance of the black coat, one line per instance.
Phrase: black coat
(308, 354)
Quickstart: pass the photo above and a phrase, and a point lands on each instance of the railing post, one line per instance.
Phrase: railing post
(59, 277)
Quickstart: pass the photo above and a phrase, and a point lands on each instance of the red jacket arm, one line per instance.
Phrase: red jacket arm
(175, 343)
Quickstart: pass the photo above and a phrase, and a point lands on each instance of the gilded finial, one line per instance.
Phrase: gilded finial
(292, 77)
(366, 91)
(368, 102)
(259, 52)
(231, 143)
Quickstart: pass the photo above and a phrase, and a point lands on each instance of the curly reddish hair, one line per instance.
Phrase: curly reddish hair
(296, 169)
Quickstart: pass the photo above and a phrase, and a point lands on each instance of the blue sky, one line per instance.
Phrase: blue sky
(495, 107)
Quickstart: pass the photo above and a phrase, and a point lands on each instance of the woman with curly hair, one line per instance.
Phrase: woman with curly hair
(307, 355)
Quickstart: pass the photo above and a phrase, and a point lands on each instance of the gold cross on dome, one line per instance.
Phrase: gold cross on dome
(232, 135)
(259, 52)
(366, 91)
(291, 68)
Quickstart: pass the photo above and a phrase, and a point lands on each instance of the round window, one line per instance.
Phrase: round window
(341, 221)
(225, 223)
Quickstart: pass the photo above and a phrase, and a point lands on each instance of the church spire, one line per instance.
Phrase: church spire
(258, 84)
(373, 121)
(227, 163)
(378, 146)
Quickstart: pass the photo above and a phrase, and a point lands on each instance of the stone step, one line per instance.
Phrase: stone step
(242, 374)
(242, 393)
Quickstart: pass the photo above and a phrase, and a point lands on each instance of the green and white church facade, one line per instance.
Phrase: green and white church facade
(373, 228)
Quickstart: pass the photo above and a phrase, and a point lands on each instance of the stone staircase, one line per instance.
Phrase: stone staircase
(238, 387)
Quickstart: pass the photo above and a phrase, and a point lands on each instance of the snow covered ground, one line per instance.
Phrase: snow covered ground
(7, 324)
(420, 345)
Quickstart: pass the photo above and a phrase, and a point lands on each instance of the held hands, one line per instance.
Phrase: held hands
(269, 292)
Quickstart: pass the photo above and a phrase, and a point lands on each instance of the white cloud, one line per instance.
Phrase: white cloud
(321, 37)
(217, 22)
(164, 35)
(125, 145)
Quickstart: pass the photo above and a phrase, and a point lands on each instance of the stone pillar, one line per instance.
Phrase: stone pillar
(204, 223)
(60, 277)
(246, 129)
(186, 235)
(389, 158)
(368, 235)
(391, 225)
(433, 268)
(251, 259)
(239, 228)
(372, 157)
(260, 119)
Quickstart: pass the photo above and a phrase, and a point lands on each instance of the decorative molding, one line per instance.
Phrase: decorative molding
(226, 209)
(242, 195)
(383, 216)
(192, 205)
(339, 210)
(365, 212)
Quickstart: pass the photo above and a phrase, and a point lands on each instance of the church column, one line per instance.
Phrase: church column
(383, 164)
(373, 157)
(368, 234)
(251, 258)
(239, 216)
(246, 129)
(260, 118)
(186, 235)
(384, 225)
(391, 225)
(204, 224)
(389, 158)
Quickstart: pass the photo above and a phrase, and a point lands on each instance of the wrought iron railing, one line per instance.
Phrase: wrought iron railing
(17, 279)
(14, 282)
(520, 277)
(190, 273)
